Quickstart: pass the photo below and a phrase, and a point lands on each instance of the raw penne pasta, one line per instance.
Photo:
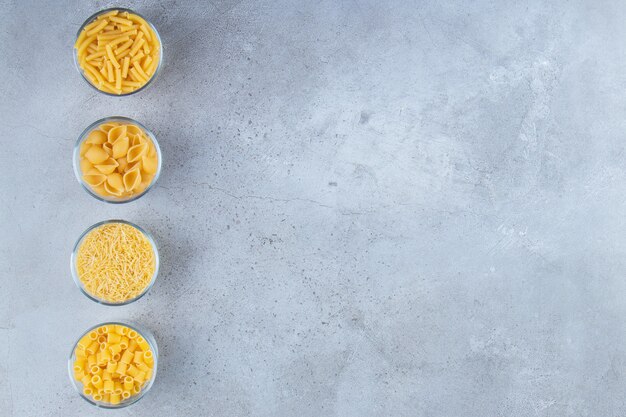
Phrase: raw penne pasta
(111, 56)
(105, 43)
(137, 57)
(124, 47)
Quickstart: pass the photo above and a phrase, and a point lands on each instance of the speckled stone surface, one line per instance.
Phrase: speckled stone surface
(367, 208)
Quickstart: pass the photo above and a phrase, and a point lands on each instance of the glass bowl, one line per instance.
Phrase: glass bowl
(143, 332)
(80, 285)
(156, 71)
(76, 160)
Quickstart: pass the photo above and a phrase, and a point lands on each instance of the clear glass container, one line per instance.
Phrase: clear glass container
(156, 71)
(143, 332)
(80, 285)
(76, 160)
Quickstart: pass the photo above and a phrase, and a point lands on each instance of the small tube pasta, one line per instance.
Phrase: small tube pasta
(113, 382)
(96, 381)
(80, 365)
(121, 330)
(109, 387)
(142, 366)
(143, 345)
(84, 342)
(128, 383)
(138, 358)
(121, 368)
(124, 342)
(115, 349)
(132, 346)
(111, 367)
(140, 377)
(105, 356)
(113, 338)
(114, 398)
(132, 371)
(147, 357)
(127, 357)
(86, 380)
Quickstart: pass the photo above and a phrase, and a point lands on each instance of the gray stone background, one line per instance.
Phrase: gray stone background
(367, 208)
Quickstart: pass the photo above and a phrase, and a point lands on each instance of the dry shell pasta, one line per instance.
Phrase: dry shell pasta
(118, 160)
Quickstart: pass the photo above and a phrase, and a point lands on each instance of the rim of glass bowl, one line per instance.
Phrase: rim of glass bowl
(156, 71)
(147, 335)
(76, 159)
(92, 297)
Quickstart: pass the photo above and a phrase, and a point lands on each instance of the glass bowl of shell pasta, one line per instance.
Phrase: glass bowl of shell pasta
(113, 364)
(117, 159)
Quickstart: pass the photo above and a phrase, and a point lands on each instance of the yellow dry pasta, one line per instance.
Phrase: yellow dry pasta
(115, 262)
(109, 381)
(108, 41)
(118, 160)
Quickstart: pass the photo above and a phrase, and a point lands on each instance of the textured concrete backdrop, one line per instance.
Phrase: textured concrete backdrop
(367, 208)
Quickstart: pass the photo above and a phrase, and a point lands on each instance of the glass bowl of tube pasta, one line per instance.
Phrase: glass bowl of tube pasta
(113, 364)
(118, 52)
(117, 159)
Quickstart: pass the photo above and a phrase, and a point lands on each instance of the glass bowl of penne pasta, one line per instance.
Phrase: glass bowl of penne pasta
(117, 159)
(113, 364)
(118, 52)
(115, 262)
